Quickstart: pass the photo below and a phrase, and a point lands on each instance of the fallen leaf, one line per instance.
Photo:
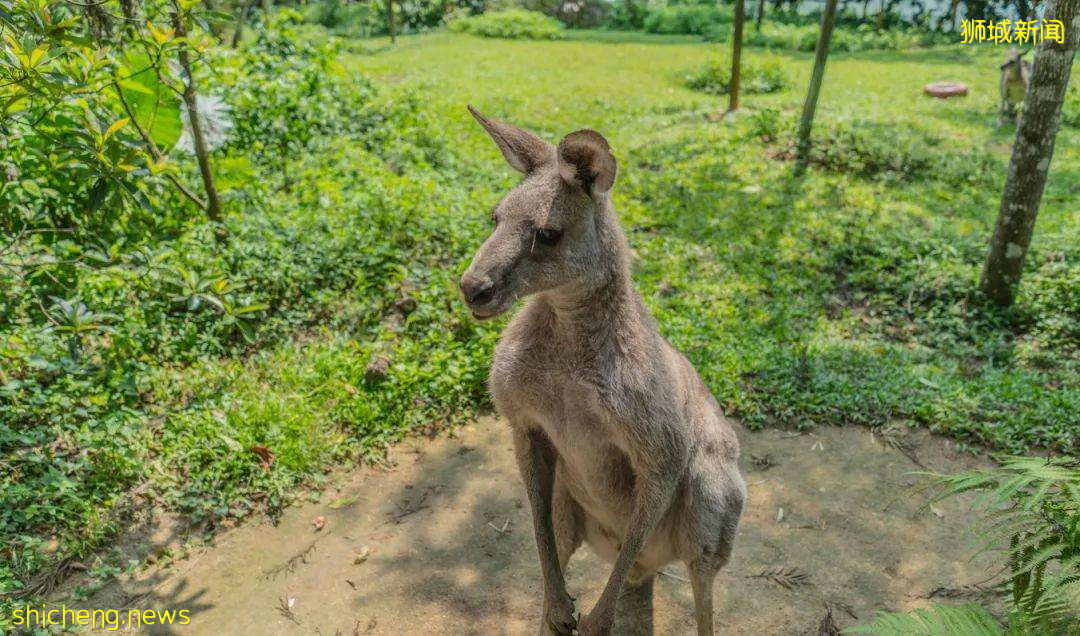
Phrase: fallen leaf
(344, 501)
(266, 456)
(361, 555)
(319, 523)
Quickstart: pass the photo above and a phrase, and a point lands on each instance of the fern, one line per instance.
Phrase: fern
(937, 620)
(1033, 513)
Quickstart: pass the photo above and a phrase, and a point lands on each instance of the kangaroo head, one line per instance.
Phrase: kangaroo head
(546, 234)
(1013, 61)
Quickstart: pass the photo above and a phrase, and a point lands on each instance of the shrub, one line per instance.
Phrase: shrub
(514, 24)
(890, 152)
(367, 19)
(314, 179)
(628, 15)
(692, 19)
(796, 37)
(576, 14)
(714, 77)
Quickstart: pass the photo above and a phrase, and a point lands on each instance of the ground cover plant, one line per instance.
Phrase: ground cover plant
(147, 363)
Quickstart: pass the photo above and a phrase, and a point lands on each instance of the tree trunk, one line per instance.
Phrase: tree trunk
(1032, 151)
(736, 55)
(241, 18)
(202, 154)
(821, 53)
(99, 22)
(390, 21)
(131, 11)
(760, 14)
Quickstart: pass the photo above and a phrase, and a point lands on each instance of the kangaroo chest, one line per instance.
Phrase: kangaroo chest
(576, 409)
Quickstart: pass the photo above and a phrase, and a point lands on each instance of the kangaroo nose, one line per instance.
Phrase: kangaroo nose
(477, 291)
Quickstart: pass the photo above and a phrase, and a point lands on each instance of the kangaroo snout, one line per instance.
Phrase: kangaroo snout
(477, 290)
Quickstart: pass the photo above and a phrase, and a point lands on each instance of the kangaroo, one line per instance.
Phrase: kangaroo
(618, 441)
(1015, 75)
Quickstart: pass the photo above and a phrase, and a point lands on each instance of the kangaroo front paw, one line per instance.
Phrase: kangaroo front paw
(559, 617)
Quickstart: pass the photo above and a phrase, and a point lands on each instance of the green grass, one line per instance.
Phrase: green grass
(839, 299)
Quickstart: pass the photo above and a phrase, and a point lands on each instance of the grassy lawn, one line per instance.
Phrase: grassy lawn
(843, 298)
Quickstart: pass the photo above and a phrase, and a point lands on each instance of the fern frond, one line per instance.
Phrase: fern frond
(937, 620)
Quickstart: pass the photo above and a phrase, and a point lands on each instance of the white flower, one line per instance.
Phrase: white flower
(214, 119)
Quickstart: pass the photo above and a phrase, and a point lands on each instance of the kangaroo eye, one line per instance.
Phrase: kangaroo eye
(546, 236)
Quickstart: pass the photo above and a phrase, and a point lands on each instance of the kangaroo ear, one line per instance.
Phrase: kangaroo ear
(585, 160)
(523, 150)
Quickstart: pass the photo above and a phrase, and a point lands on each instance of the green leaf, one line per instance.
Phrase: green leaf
(31, 188)
(937, 620)
(117, 125)
(97, 195)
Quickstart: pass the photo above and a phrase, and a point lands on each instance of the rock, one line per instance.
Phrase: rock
(405, 304)
(377, 370)
(945, 90)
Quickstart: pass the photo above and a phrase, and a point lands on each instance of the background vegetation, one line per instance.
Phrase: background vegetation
(153, 356)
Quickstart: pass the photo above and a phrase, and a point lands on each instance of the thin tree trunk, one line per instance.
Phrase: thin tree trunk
(202, 154)
(760, 14)
(131, 11)
(736, 55)
(390, 21)
(241, 18)
(1032, 152)
(214, 25)
(99, 21)
(828, 18)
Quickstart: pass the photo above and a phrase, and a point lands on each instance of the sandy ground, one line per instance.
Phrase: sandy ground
(449, 549)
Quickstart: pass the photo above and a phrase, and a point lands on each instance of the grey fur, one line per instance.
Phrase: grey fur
(619, 442)
(1015, 77)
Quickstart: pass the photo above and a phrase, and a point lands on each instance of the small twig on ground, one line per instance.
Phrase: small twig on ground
(409, 508)
(285, 608)
(290, 564)
(502, 530)
(673, 576)
(786, 577)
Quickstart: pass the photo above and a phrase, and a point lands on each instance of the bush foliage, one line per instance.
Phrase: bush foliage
(714, 78)
(863, 37)
(688, 19)
(513, 24)
(101, 326)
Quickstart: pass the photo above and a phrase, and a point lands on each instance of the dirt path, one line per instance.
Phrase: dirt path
(450, 548)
